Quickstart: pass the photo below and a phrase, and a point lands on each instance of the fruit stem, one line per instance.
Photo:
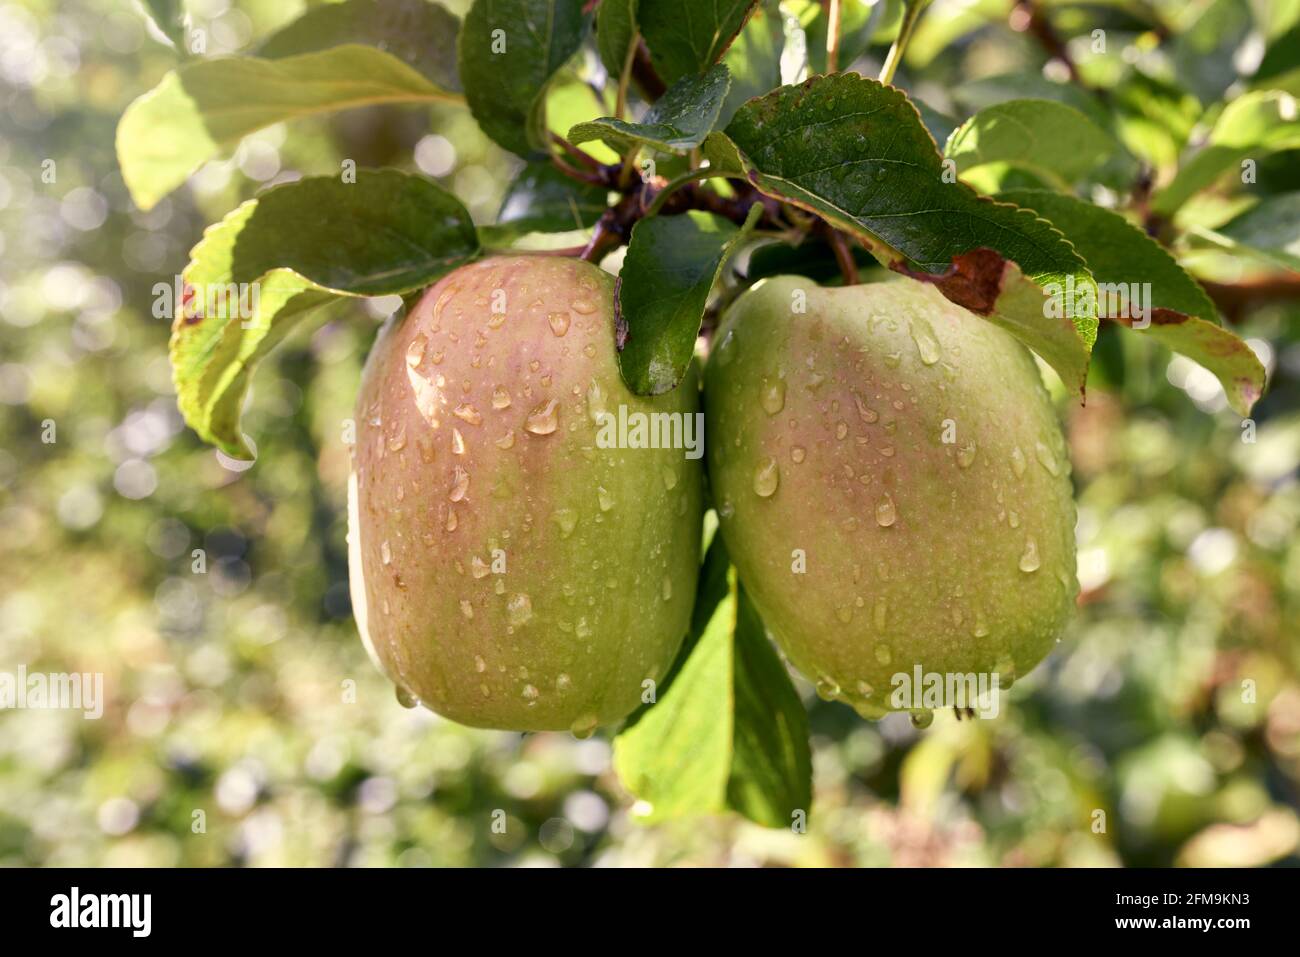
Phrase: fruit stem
(911, 14)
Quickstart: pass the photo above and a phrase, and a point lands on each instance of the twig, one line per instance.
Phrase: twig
(644, 73)
(844, 257)
(833, 36)
(1028, 16)
(583, 157)
(690, 176)
(1236, 299)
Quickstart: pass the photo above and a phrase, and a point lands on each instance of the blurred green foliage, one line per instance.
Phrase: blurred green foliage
(243, 723)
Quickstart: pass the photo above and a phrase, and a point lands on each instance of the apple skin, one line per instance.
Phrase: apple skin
(476, 443)
(827, 432)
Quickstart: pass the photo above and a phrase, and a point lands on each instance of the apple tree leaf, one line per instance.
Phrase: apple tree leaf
(1271, 228)
(544, 200)
(672, 262)
(419, 33)
(686, 37)
(1055, 142)
(616, 34)
(1250, 127)
(1142, 286)
(509, 52)
(677, 123)
(754, 58)
(205, 106)
(855, 152)
(256, 274)
(727, 729)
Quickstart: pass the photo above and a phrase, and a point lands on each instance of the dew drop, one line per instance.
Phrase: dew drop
(798, 454)
(405, 698)
(500, 398)
(583, 727)
(1013, 519)
(773, 395)
(844, 613)
(1029, 561)
(1017, 461)
(981, 628)
(879, 615)
(926, 343)
(566, 519)
(479, 568)
(457, 442)
(563, 682)
(506, 441)
(883, 654)
(886, 511)
(467, 413)
(841, 430)
(583, 307)
(466, 608)
(604, 498)
(415, 351)
(669, 476)
(459, 484)
(397, 441)
(559, 322)
(966, 455)
(922, 719)
(827, 689)
(666, 588)
(386, 553)
(479, 664)
(531, 694)
(1046, 459)
(766, 478)
(544, 419)
(519, 609)
(451, 520)
(868, 415)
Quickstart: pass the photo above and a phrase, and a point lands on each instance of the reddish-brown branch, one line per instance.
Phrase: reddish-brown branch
(1237, 299)
(1028, 17)
(645, 75)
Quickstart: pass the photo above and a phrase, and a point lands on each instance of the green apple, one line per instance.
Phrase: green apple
(893, 486)
(511, 566)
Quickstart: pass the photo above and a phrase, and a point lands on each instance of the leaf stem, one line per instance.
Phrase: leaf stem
(625, 78)
(911, 14)
(690, 176)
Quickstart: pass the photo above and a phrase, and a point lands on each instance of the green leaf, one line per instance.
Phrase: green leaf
(509, 51)
(1155, 118)
(420, 34)
(754, 59)
(616, 33)
(1055, 142)
(677, 123)
(274, 259)
(976, 95)
(168, 16)
(771, 767)
(1270, 229)
(1124, 259)
(686, 37)
(672, 262)
(855, 152)
(727, 728)
(1281, 60)
(1249, 127)
(205, 106)
(543, 200)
